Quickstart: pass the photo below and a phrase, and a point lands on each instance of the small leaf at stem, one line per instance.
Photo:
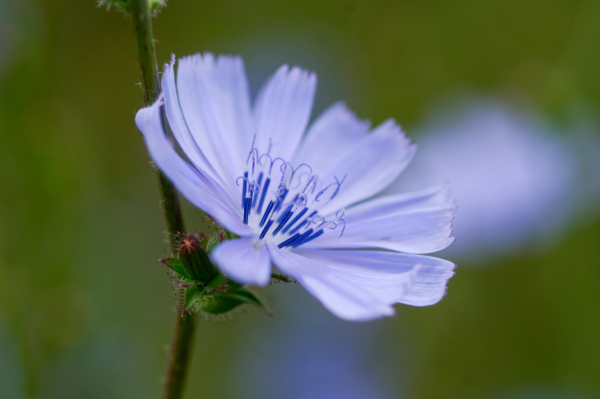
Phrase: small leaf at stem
(176, 265)
(230, 300)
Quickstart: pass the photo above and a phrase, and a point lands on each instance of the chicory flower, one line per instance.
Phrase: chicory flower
(298, 197)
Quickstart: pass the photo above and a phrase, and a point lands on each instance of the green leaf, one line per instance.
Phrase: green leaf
(230, 300)
(176, 265)
(252, 299)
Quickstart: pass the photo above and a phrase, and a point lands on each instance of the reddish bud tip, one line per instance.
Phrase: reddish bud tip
(188, 245)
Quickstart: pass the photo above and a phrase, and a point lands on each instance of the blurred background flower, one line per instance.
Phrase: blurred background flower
(86, 311)
(515, 179)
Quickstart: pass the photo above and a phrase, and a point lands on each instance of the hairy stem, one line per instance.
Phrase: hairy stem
(184, 328)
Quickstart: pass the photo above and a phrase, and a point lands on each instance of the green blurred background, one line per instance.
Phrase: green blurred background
(85, 310)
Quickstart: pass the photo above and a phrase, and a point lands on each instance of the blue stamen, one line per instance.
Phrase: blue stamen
(263, 195)
(267, 212)
(267, 227)
(307, 239)
(290, 224)
(288, 241)
(303, 223)
(287, 209)
(301, 237)
(290, 215)
(283, 221)
(247, 207)
(299, 227)
(255, 197)
(244, 189)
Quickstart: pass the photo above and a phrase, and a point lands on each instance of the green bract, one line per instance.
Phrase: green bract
(201, 287)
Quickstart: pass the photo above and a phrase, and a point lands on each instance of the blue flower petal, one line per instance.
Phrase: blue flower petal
(419, 222)
(194, 185)
(373, 163)
(390, 276)
(213, 95)
(336, 289)
(243, 261)
(330, 138)
(186, 140)
(282, 110)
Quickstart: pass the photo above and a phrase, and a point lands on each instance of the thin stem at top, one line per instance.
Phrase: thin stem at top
(185, 325)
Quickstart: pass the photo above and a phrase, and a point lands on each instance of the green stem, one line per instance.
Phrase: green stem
(184, 328)
(180, 354)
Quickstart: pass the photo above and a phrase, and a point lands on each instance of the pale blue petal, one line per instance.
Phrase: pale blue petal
(245, 260)
(192, 184)
(370, 269)
(225, 110)
(417, 232)
(206, 107)
(373, 163)
(330, 138)
(340, 292)
(180, 129)
(415, 223)
(433, 197)
(282, 110)
(189, 101)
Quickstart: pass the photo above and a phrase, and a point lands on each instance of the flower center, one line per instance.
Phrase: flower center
(286, 213)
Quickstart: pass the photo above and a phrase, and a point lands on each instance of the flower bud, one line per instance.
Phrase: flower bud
(195, 260)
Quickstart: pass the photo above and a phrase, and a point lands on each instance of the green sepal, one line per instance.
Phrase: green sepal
(210, 245)
(217, 282)
(230, 235)
(192, 295)
(281, 277)
(176, 265)
(230, 300)
(232, 285)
